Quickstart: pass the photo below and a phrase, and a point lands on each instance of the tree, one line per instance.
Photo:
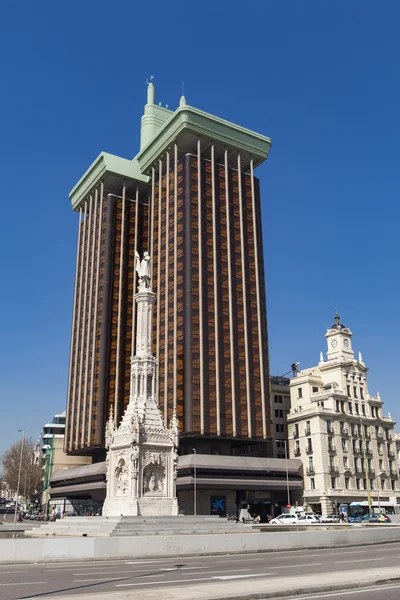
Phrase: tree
(31, 473)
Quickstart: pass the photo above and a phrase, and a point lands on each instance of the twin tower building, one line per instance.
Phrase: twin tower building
(190, 199)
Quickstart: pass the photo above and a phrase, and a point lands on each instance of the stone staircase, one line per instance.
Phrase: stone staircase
(132, 526)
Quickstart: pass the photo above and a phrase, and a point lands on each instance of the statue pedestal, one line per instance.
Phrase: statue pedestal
(158, 507)
(142, 451)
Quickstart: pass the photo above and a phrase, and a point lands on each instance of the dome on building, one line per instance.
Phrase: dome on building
(337, 324)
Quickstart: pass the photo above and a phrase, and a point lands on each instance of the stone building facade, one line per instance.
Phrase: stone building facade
(338, 429)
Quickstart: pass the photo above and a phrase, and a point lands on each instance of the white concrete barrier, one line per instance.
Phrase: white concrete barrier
(61, 549)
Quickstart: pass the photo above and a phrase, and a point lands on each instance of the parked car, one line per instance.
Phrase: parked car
(306, 519)
(330, 519)
(376, 518)
(10, 505)
(284, 519)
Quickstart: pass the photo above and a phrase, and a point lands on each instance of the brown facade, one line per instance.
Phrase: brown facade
(200, 219)
(209, 281)
(99, 374)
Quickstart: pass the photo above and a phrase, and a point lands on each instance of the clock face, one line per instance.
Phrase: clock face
(346, 343)
(334, 343)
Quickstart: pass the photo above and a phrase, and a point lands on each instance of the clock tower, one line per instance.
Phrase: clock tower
(339, 341)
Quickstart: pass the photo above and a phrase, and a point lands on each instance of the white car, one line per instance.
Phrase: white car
(10, 505)
(284, 519)
(305, 519)
(330, 519)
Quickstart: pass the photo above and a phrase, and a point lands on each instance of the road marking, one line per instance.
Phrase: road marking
(344, 562)
(25, 583)
(360, 590)
(225, 577)
(162, 582)
(111, 579)
(180, 568)
(105, 572)
(294, 566)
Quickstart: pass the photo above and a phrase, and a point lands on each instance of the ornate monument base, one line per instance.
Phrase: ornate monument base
(142, 452)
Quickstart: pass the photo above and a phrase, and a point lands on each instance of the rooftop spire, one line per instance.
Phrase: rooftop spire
(151, 91)
(182, 101)
(337, 318)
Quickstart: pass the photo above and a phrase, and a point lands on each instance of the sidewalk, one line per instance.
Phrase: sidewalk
(250, 589)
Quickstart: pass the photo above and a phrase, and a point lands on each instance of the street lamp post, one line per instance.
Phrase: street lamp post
(287, 473)
(366, 468)
(19, 474)
(194, 483)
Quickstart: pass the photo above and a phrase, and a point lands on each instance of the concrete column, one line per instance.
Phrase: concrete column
(216, 312)
(159, 242)
(71, 409)
(230, 258)
(166, 320)
(120, 283)
(244, 284)
(79, 403)
(90, 302)
(94, 337)
(201, 334)
(260, 339)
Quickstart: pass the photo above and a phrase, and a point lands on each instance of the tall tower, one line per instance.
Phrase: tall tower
(197, 201)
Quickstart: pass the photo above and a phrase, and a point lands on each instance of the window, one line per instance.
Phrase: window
(363, 409)
(279, 413)
(356, 406)
(380, 464)
(355, 392)
(372, 411)
(358, 484)
(337, 406)
(333, 482)
(344, 445)
(342, 403)
(365, 484)
(308, 428)
(299, 392)
(315, 389)
(352, 428)
(277, 428)
(383, 484)
(350, 408)
(348, 391)
(346, 483)
(330, 447)
(345, 462)
(328, 426)
(356, 464)
(393, 485)
(278, 399)
(312, 483)
(310, 463)
(298, 445)
(331, 462)
(296, 430)
(371, 484)
(362, 393)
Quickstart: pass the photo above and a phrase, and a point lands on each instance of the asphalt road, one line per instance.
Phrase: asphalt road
(389, 592)
(26, 580)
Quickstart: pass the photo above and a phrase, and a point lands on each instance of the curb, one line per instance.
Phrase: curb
(311, 590)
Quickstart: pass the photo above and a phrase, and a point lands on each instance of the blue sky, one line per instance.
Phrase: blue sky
(320, 78)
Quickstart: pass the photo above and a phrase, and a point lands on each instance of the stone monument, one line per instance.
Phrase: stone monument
(142, 452)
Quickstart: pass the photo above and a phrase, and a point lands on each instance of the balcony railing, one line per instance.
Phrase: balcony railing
(371, 472)
(310, 471)
(297, 452)
(391, 454)
(380, 435)
(344, 431)
(332, 449)
(334, 470)
(356, 450)
(309, 450)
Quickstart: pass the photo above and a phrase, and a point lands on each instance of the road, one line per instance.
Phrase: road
(389, 592)
(26, 580)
